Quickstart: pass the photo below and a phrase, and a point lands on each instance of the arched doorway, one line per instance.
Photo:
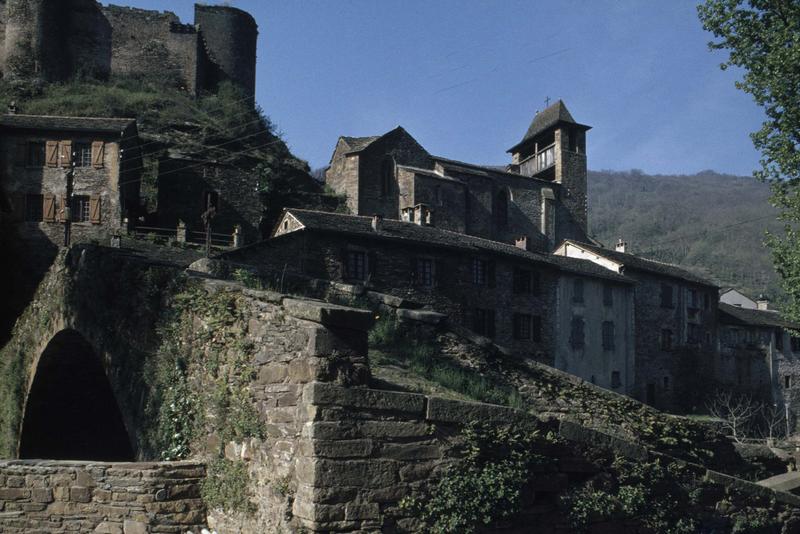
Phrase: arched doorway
(71, 413)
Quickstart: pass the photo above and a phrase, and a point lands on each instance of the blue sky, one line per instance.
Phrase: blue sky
(465, 77)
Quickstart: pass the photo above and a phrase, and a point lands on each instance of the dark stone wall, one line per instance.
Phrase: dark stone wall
(229, 36)
(58, 39)
(391, 272)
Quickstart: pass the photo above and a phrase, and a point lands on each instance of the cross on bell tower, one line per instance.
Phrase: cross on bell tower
(547, 102)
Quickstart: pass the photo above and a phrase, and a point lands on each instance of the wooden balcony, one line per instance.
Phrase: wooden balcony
(538, 162)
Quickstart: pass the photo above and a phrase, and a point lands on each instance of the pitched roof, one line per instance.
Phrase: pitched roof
(357, 144)
(73, 124)
(756, 317)
(431, 236)
(631, 261)
(543, 120)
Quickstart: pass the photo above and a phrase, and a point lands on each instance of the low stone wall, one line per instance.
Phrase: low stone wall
(111, 498)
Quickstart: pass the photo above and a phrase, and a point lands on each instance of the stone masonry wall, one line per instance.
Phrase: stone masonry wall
(111, 498)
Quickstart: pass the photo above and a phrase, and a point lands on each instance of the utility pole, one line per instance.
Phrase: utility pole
(67, 208)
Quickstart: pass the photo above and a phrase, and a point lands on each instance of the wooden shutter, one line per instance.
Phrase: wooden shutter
(66, 154)
(49, 208)
(21, 154)
(51, 154)
(98, 154)
(62, 213)
(94, 209)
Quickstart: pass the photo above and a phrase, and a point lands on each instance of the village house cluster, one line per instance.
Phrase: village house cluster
(504, 252)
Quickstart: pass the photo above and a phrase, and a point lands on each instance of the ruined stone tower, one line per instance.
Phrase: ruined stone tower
(55, 40)
(554, 148)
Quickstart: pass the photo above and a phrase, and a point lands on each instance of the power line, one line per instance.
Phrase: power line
(705, 232)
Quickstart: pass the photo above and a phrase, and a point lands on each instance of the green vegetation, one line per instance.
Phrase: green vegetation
(221, 126)
(226, 486)
(391, 346)
(762, 37)
(669, 218)
(489, 485)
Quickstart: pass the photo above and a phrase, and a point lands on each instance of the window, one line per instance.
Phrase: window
(522, 281)
(787, 381)
(522, 326)
(695, 333)
(536, 329)
(608, 335)
(387, 176)
(34, 208)
(83, 155)
(424, 272)
(481, 272)
(356, 267)
(608, 295)
(693, 300)
(483, 322)
(795, 344)
(80, 208)
(706, 301)
(666, 339)
(615, 381)
(779, 339)
(36, 154)
(501, 209)
(666, 296)
(576, 337)
(577, 290)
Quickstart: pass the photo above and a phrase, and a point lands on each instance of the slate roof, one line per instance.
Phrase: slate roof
(430, 236)
(73, 124)
(357, 144)
(543, 120)
(631, 261)
(756, 317)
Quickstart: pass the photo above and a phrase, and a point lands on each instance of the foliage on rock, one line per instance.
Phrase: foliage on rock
(488, 486)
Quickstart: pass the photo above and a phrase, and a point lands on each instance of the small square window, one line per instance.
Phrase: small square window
(424, 274)
(522, 326)
(83, 155)
(80, 208)
(356, 265)
(479, 271)
(787, 381)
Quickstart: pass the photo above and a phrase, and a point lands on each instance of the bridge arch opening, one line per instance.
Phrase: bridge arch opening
(71, 413)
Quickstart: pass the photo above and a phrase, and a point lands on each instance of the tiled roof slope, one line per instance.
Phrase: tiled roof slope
(632, 261)
(73, 124)
(431, 236)
(543, 120)
(357, 144)
(756, 317)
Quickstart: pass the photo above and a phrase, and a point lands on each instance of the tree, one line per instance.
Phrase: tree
(763, 38)
(736, 413)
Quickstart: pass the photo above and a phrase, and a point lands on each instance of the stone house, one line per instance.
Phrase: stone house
(675, 324)
(38, 198)
(540, 196)
(760, 356)
(524, 301)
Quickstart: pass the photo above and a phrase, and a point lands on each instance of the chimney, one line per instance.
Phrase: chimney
(622, 246)
(423, 215)
(522, 242)
(762, 303)
(12, 108)
(377, 222)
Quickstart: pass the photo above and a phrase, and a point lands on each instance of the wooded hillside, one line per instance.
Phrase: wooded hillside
(713, 223)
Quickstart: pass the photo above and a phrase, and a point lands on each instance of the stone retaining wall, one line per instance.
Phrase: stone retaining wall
(111, 498)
